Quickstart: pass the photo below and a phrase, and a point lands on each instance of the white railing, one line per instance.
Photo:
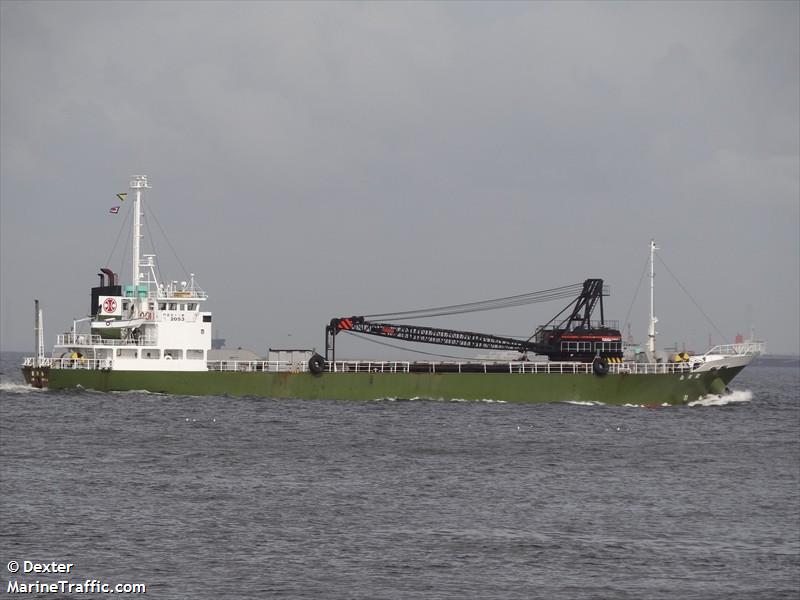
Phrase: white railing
(86, 339)
(651, 368)
(356, 366)
(743, 349)
(347, 366)
(169, 294)
(68, 363)
(249, 366)
(351, 366)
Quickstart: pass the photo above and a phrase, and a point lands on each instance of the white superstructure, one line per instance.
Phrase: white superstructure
(145, 326)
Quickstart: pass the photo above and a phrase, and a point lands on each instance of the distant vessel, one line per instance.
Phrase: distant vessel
(150, 335)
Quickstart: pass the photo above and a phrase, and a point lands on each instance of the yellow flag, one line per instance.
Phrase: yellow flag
(122, 196)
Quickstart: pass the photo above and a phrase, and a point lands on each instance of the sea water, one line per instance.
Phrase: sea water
(217, 497)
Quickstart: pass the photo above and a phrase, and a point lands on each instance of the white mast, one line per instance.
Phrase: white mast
(138, 183)
(651, 330)
(39, 332)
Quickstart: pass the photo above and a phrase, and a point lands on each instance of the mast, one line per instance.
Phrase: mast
(138, 183)
(651, 330)
(39, 334)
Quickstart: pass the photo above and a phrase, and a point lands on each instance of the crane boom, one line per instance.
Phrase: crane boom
(576, 337)
(432, 335)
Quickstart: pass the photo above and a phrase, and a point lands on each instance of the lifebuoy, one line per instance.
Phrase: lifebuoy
(316, 364)
(600, 366)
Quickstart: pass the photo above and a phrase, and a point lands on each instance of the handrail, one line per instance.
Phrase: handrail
(634, 368)
(555, 367)
(743, 349)
(376, 366)
(169, 294)
(275, 366)
(354, 366)
(68, 363)
(87, 339)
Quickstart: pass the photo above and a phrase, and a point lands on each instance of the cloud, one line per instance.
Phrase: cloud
(334, 151)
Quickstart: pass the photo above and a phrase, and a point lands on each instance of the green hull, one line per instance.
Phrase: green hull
(650, 389)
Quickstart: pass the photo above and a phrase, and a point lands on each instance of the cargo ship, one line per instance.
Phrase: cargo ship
(157, 336)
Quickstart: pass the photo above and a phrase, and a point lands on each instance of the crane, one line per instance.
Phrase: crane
(576, 337)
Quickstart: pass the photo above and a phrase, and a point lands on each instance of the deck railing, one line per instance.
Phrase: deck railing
(743, 349)
(356, 366)
(86, 339)
(253, 366)
(495, 367)
(347, 366)
(69, 363)
(651, 368)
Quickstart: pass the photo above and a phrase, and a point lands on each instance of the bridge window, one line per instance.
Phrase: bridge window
(576, 347)
(609, 346)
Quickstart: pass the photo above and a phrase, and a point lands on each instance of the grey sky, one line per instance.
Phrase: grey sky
(311, 160)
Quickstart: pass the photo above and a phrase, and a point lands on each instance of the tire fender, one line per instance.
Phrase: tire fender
(600, 366)
(316, 364)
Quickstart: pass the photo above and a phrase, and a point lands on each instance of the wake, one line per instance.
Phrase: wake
(734, 397)
(8, 387)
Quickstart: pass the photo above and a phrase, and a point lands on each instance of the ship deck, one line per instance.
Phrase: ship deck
(366, 366)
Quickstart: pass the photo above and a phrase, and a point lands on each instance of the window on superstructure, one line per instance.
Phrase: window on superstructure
(608, 346)
(191, 306)
(173, 306)
(162, 306)
(576, 346)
